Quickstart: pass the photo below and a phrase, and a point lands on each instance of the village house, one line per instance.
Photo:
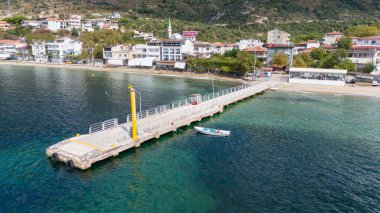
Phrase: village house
(249, 43)
(203, 50)
(288, 49)
(361, 56)
(39, 52)
(278, 37)
(259, 52)
(13, 49)
(368, 41)
(74, 22)
(87, 27)
(5, 26)
(31, 23)
(332, 38)
(145, 36)
(190, 35)
(53, 24)
(115, 15)
(220, 48)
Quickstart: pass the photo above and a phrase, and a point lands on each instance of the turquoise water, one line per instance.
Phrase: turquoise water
(288, 152)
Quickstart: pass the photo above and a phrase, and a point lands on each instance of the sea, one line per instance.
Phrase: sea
(288, 152)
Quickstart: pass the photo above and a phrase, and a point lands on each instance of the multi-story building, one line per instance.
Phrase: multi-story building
(60, 49)
(278, 37)
(13, 49)
(249, 43)
(203, 50)
(74, 21)
(174, 50)
(117, 55)
(145, 36)
(87, 26)
(39, 52)
(332, 38)
(259, 52)
(220, 48)
(288, 49)
(53, 24)
(30, 23)
(149, 50)
(364, 55)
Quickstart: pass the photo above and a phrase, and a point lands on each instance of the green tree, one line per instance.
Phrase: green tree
(232, 53)
(369, 68)
(344, 43)
(335, 59)
(346, 64)
(362, 31)
(299, 62)
(318, 54)
(280, 60)
(15, 20)
(74, 32)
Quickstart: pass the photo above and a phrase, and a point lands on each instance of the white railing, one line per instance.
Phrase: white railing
(165, 108)
(101, 126)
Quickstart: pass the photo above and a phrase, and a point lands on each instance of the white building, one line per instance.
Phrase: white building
(87, 26)
(13, 49)
(249, 43)
(203, 50)
(117, 55)
(115, 15)
(332, 38)
(190, 35)
(30, 23)
(74, 21)
(368, 41)
(39, 52)
(62, 48)
(334, 77)
(145, 36)
(361, 56)
(174, 50)
(220, 48)
(53, 24)
(278, 37)
(149, 50)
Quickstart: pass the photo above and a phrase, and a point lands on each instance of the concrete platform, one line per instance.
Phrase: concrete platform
(84, 150)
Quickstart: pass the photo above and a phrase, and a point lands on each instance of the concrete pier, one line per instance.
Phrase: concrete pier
(108, 139)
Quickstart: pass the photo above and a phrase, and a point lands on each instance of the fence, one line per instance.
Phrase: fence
(101, 126)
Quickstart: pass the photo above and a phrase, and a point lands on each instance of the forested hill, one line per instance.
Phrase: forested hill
(213, 11)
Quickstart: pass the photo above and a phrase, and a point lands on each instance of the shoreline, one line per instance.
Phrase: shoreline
(366, 91)
(128, 70)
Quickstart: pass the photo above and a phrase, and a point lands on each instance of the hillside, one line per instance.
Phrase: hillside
(242, 12)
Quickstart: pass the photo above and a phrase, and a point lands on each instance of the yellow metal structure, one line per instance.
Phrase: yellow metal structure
(133, 112)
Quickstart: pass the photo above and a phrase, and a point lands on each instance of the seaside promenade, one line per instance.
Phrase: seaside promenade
(109, 138)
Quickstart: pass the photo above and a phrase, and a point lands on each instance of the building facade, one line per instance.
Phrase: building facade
(332, 38)
(278, 37)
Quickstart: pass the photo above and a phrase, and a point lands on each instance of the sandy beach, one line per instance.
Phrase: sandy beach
(124, 70)
(346, 90)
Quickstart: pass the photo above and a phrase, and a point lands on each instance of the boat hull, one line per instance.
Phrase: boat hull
(213, 132)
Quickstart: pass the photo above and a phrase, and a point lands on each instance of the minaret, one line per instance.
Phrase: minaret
(169, 29)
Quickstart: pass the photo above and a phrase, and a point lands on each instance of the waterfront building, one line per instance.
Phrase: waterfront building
(361, 56)
(117, 55)
(174, 50)
(39, 52)
(335, 77)
(332, 38)
(203, 50)
(278, 37)
(151, 49)
(64, 48)
(288, 49)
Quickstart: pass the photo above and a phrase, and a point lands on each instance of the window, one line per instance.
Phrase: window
(166, 57)
(166, 51)
(178, 51)
(172, 58)
(177, 58)
(172, 51)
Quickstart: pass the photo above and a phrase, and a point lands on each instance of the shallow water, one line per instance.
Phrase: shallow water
(288, 152)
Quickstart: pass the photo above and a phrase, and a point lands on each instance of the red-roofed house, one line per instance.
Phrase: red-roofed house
(332, 38)
(5, 26)
(259, 52)
(363, 55)
(13, 48)
(221, 48)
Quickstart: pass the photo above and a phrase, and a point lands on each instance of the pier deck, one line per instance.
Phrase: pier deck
(110, 138)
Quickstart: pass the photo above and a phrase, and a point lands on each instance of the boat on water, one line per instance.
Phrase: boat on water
(213, 132)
